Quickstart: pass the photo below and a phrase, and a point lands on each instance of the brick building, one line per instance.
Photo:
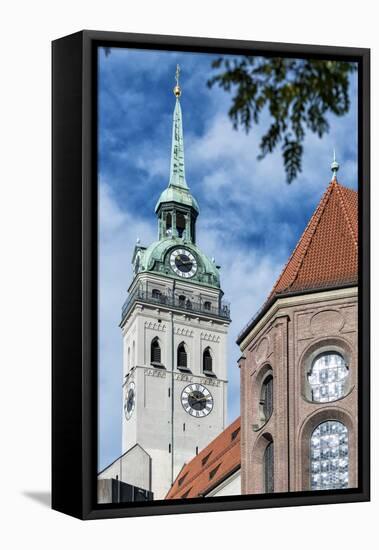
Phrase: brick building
(299, 361)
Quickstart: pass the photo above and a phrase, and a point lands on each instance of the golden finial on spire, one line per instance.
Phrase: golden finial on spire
(177, 89)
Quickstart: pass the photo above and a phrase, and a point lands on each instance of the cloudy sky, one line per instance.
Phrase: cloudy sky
(250, 218)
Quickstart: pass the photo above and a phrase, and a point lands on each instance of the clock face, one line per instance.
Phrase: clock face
(183, 263)
(130, 400)
(197, 400)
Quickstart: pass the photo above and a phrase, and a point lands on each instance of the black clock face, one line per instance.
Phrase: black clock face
(130, 400)
(183, 262)
(197, 400)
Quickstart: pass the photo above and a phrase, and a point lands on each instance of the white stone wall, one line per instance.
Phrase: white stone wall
(151, 423)
(229, 487)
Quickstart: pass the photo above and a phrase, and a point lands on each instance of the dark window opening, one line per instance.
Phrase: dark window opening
(155, 353)
(156, 294)
(182, 300)
(207, 306)
(168, 225)
(207, 360)
(205, 459)
(180, 223)
(268, 462)
(169, 447)
(184, 426)
(213, 472)
(197, 451)
(182, 357)
(235, 433)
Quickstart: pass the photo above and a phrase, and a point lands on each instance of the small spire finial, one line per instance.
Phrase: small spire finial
(177, 89)
(334, 166)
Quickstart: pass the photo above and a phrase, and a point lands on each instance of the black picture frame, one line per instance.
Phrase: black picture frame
(74, 272)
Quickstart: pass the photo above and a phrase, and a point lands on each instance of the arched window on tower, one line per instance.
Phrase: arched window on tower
(168, 225)
(182, 300)
(329, 460)
(267, 395)
(155, 353)
(268, 468)
(328, 377)
(182, 359)
(208, 362)
(180, 223)
(207, 306)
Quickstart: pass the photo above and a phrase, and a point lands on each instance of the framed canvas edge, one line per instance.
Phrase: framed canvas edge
(84, 506)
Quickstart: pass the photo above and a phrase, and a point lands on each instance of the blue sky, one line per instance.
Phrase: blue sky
(250, 218)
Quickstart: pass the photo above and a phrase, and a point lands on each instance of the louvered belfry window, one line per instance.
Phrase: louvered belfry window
(182, 356)
(268, 461)
(155, 351)
(207, 360)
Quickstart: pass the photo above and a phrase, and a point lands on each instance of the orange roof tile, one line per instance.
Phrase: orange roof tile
(211, 466)
(327, 252)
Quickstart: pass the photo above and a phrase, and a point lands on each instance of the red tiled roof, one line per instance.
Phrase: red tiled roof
(327, 252)
(211, 466)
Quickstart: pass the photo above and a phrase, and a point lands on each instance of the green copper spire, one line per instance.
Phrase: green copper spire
(177, 190)
(177, 170)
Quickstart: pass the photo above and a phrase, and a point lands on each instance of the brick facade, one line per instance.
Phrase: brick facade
(291, 334)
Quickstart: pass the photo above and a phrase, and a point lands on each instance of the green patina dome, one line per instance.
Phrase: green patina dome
(156, 258)
(179, 195)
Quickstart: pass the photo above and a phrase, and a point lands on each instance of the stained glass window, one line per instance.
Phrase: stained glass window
(329, 460)
(328, 377)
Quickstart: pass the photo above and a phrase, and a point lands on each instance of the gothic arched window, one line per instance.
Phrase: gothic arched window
(329, 456)
(155, 352)
(207, 361)
(268, 468)
(267, 395)
(182, 356)
(328, 377)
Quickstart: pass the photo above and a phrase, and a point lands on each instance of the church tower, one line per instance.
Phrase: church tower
(174, 327)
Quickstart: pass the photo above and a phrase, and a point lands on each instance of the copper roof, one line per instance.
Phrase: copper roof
(327, 252)
(211, 466)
